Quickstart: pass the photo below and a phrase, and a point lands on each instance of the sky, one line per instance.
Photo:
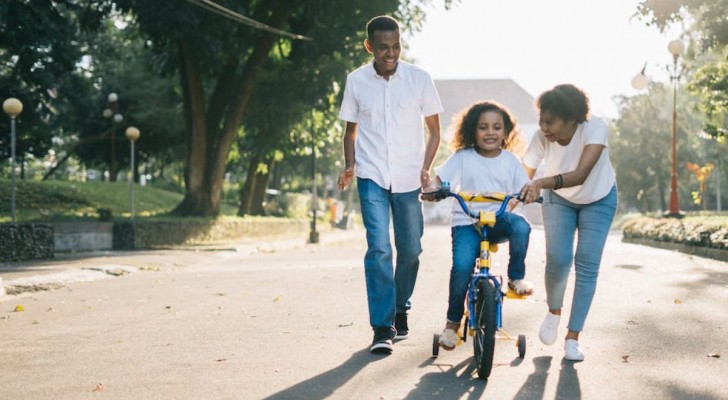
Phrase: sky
(593, 44)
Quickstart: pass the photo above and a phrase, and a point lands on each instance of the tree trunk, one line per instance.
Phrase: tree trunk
(246, 192)
(208, 150)
(258, 194)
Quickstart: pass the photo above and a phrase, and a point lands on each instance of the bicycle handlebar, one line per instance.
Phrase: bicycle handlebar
(445, 192)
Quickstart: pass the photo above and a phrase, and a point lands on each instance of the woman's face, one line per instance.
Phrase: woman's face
(556, 129)
(489, 133)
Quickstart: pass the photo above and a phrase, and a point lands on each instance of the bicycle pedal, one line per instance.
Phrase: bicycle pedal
(513, 295)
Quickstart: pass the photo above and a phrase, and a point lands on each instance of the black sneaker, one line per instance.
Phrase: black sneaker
(400, 324)
(382, 343)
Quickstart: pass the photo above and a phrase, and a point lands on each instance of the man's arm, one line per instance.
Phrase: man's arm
(433, 143)
(347, 175)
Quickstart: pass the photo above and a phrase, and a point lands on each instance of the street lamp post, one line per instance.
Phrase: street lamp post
(12, 107)
(676, 48)
(111, 111)
(132, 133)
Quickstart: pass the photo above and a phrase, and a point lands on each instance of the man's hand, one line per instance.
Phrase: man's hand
(424, 178)
(345, 178)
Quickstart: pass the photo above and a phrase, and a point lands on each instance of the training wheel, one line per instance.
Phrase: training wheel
(521, 343)
(436, 345)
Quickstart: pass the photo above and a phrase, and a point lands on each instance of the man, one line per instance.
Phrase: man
(384, 104)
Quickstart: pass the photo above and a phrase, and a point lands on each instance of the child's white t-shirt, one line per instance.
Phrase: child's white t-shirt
(468, 171)
(560, 159)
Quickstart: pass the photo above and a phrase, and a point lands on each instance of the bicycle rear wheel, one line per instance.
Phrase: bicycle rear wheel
(485, 327)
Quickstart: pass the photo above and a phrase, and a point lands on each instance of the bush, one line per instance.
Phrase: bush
(693, 232)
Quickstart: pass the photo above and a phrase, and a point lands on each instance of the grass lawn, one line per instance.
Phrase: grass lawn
(37, 201)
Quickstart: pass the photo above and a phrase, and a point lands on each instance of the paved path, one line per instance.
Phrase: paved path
(290, 322)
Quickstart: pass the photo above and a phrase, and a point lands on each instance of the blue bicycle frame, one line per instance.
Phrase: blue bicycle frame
(486, 221)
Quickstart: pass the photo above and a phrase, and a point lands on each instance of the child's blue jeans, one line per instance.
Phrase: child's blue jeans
(466, 248)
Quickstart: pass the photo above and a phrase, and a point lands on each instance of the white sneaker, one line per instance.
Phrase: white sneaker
(448, 339)
(572, 351)
(549, 329)
(522, 287)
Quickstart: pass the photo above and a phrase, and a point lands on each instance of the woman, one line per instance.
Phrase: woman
(580, 196)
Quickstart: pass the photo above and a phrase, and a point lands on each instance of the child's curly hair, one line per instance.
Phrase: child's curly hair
(467, 126)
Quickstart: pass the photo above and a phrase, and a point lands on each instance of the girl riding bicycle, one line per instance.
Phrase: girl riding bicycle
(482, 163)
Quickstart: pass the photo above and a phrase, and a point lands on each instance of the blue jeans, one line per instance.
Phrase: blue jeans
(466, 248)
(561, 220)
(388, 289)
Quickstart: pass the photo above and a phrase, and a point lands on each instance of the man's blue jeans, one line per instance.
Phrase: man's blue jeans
(561, 221)
(466, 248)
(388, 289)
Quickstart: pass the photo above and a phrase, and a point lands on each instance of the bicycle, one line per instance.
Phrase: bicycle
(483, 316)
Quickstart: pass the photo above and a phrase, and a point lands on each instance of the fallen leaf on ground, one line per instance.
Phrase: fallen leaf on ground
(277, 298)
(19, 308)
(678, 301)
(714, 355)
(221, 359)
(345, 325)
(625, 358)
(98, 388)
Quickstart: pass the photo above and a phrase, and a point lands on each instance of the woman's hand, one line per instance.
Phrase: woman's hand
(531, 191)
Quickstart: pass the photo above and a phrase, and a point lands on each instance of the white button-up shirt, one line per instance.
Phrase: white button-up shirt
(390, 143)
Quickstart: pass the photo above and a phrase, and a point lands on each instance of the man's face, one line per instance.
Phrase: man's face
(385, 47)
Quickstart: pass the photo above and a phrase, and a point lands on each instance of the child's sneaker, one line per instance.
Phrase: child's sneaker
(521, 287)
(449, 336)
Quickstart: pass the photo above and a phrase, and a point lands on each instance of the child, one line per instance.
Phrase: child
(482, 164)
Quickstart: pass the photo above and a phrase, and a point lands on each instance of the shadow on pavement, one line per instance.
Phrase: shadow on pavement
(568, 386)
(435, 384)
(324, 385)
(534, 386)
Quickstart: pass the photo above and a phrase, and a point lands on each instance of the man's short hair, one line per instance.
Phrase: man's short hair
(381, 23)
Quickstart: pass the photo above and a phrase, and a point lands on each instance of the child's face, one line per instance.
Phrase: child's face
(489, 134)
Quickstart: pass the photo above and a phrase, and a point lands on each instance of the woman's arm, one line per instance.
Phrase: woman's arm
(587, 161)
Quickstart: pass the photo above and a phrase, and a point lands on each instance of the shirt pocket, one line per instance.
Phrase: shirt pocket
(366, 112)
(408, 111)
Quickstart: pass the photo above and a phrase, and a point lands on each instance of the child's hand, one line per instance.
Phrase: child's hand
(345, 178)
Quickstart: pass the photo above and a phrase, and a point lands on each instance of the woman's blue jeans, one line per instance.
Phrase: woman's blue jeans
(388, 289)
(466, 248)
(562, 220)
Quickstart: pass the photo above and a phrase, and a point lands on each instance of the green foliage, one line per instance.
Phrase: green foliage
(61, 200)
(40, 44)
(708, 51)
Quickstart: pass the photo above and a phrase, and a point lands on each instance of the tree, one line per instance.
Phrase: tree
(40, 45)
(640, 148)
(219, 63)
(709, 31)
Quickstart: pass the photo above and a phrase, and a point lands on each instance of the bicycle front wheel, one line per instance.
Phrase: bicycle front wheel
(485, 326)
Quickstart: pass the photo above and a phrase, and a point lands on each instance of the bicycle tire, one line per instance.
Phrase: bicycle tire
(485, 327)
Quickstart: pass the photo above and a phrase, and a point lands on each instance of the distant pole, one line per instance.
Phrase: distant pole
(12, 107)
(313, 237)
(132, 133)
(676, 48)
